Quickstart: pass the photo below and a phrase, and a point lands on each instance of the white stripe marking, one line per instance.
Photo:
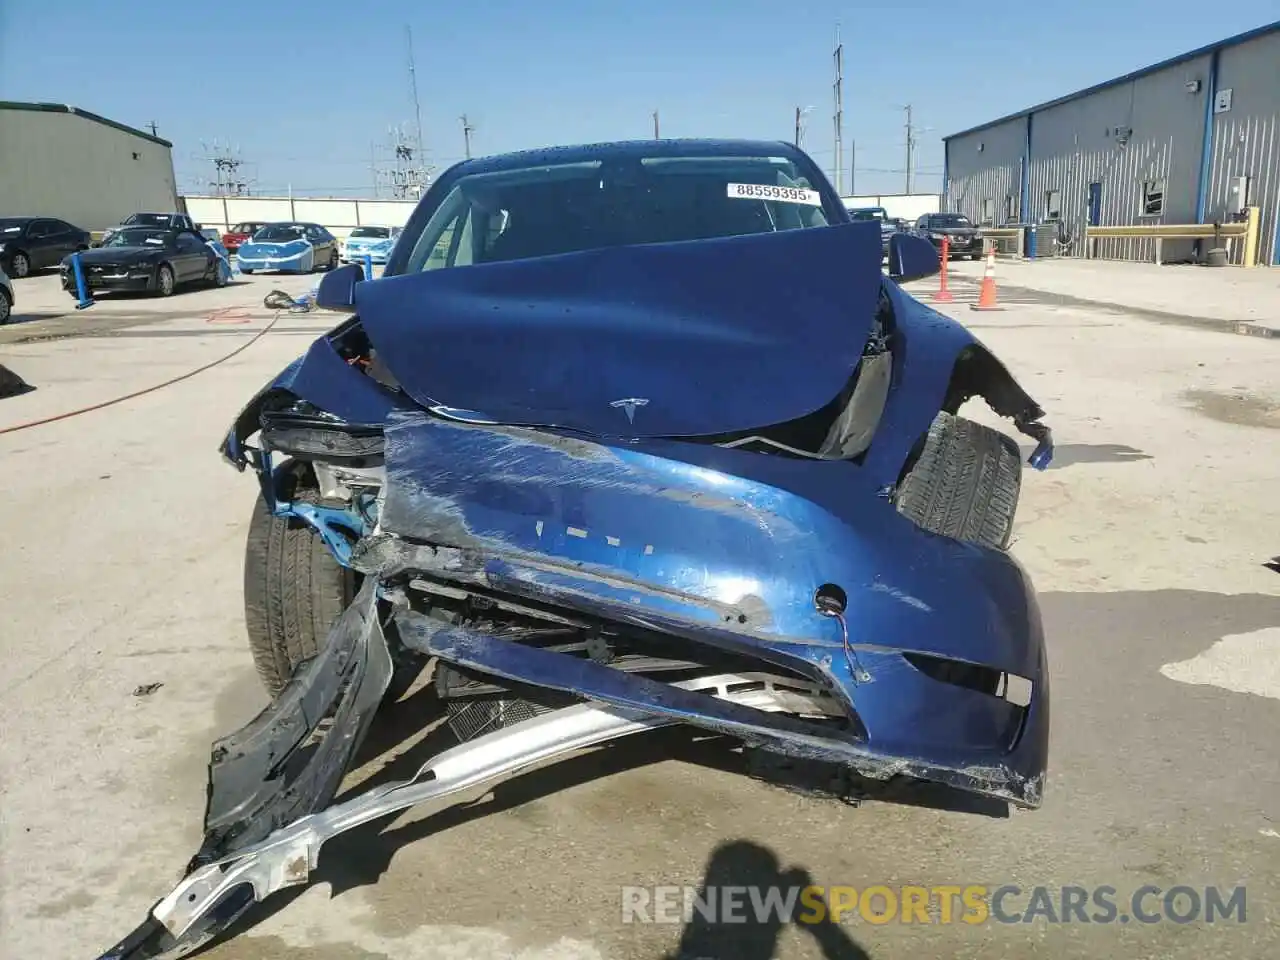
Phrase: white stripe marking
(613, 541)
(576, 532)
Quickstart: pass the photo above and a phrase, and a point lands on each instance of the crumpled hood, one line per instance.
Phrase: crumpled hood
(676, 339)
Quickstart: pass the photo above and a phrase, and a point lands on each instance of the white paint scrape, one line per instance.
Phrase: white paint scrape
(1240, 662)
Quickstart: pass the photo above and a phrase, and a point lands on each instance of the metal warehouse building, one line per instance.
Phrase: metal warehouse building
(1194, 139)
(59, 161)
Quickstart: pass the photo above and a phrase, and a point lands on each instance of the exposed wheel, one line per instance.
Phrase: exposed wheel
(333, 261)
(19, 264)
(965, 483)
(294, 591)
(245, 270)
(6, 307)
(164, 280)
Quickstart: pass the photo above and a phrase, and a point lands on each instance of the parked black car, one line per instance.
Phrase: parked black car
(146, 259)
(965, 240)
(33, 243)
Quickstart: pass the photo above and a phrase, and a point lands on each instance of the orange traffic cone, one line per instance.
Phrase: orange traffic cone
(944, 295)
(987, 294)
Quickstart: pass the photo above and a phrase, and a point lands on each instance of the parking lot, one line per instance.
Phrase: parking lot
(1146, 538)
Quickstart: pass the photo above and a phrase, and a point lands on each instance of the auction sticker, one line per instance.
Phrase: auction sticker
(762, 191)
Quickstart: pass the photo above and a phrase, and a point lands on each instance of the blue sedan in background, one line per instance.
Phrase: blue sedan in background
(290, 247)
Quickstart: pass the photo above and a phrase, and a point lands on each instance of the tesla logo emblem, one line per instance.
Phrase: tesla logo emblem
(629, 406)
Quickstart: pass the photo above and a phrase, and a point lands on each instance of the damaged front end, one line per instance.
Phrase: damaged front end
(578, 573)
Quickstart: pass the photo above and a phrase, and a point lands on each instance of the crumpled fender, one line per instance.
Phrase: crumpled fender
(938, 364)
(320, 377)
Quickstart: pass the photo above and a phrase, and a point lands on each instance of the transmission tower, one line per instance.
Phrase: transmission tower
(404, 174)
(838, 118)
(228, 180)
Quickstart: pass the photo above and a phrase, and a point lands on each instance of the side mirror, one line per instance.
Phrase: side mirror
(911, 258)
(337, 289)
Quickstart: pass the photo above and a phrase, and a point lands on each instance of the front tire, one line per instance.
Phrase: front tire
(965, 483)
(6, 307)
(19, 264)
(294, 591)
(164, 281)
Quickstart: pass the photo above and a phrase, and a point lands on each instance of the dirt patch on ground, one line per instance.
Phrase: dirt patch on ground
(1238, 407)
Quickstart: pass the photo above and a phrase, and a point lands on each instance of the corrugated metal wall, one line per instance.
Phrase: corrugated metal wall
(1149, 129)
(1246, 138)
(986, 165)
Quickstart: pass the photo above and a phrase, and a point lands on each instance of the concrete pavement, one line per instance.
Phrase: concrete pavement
(122, 567)
(1227, 298)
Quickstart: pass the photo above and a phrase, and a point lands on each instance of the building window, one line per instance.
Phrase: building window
(1011, 208)
(988, 211)
(1053, 204)
(1152, 198)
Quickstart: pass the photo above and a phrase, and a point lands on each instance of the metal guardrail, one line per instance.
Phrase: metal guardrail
(1005, 240)
(1246, 230)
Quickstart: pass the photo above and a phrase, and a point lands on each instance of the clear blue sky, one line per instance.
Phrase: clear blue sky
(305, 89)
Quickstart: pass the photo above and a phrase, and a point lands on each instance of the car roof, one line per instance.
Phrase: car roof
(623, 149)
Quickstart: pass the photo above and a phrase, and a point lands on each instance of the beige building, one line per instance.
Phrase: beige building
(60, 161)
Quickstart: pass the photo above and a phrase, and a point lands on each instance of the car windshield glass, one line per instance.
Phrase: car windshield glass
(158, 219)
(866, 215)
(278, 234)
(246, 228)
(137, 237)
(540, 211)
(950, 220)
(377, 233)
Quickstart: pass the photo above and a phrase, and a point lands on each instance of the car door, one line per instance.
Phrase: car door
(66, 238)
(192, 258)
(42, 244)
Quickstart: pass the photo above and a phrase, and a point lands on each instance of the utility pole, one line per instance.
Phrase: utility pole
(373, 167)
(911, 146)
(467, 130)
(797, 126)
(838, 118)
(656, 134)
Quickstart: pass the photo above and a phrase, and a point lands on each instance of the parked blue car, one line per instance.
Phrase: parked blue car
(374, 242)
(289, 248)
(628, 435)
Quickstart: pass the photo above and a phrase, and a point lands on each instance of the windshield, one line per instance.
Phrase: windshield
(11, 225)
(867, 215)
(376, 233)
(950, 220)
(157, 219)
(278, 233)
(248, 228)
(564, 208)
(137, 237)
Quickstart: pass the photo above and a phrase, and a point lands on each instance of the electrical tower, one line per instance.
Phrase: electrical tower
(403, 174)
(413, 91)
(227, 181)
(838, 118)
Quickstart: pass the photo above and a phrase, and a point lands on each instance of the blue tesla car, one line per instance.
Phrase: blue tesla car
(628, 435)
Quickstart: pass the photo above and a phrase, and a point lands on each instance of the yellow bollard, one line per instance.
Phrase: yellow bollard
(1251, 237)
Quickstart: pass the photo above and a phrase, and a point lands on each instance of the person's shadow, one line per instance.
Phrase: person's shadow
(742, 863)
